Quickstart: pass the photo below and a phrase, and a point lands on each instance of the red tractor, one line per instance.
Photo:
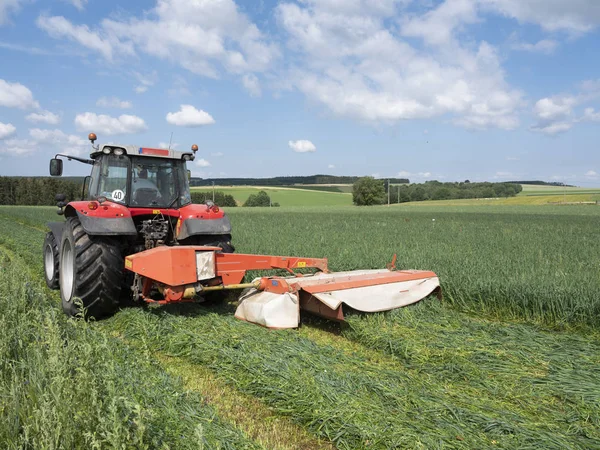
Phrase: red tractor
(137, 199)
(138, 236)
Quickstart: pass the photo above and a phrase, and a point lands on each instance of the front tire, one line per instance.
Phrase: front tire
(51, 261)
(91, 270)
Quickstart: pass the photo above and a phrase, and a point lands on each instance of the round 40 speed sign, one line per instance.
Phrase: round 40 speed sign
(118, 195)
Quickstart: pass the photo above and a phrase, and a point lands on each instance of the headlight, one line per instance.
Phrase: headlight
(187, 157)
(106, 150)
(118, 151)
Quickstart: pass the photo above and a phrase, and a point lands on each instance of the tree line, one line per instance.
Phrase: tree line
(283, 181)
(369, 191)
(37, 191)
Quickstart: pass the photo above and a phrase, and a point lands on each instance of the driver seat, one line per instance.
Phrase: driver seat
(145, 196)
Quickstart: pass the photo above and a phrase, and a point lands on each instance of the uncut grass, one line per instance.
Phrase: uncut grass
(348, 404)
(65, 385)
(538, 267)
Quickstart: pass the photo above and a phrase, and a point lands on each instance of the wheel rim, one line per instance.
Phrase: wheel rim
(49, 262)
(67, 270)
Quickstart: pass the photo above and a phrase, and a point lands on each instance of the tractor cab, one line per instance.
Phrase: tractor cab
(137, 181)
(135, 176)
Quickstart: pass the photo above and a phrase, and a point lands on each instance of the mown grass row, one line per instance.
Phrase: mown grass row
(64, 384)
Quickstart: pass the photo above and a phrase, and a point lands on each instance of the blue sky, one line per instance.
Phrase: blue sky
(449, 90)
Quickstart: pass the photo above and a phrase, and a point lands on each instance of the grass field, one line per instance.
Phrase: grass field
(509, 359)
(316, 195)
(285, 196)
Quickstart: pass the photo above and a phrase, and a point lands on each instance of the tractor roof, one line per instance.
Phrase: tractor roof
(134, 150)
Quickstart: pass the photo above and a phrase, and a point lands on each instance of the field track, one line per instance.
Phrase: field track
(450, 374)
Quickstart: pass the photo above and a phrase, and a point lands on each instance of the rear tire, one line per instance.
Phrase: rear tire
(91, 270)
(51, 261)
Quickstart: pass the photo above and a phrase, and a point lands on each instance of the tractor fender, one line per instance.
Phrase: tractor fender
(57, 230)
(202, 220)
(108, 219)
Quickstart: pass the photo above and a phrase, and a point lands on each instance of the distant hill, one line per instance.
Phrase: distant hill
(283, 181)
(542, 183)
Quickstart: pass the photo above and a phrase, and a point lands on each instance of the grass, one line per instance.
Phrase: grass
(286, 196)
(485, 368)
(63, 384)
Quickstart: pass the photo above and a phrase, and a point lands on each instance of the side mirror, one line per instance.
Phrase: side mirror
(56, 167)
(189, 174)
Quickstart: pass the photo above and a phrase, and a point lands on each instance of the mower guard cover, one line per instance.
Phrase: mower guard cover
(378, 290)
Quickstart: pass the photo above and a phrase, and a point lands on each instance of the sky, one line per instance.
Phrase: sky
(485, 90)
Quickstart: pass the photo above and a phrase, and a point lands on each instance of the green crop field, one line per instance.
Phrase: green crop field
(285, 196)
(510, 358)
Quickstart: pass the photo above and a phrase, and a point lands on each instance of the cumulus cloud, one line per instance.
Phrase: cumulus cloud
(79, 4)
(15, 95)
(252, 85)
(203, 37)
(74, 145)
(202, 163)
(546, 46)
(554, 114)
(591, 174)
(18, 147)
(419, 175)
(7, 130)
(356, 67)
(44, 116)
(113, 102)
(6, 8)
(188, 116)
(591, 115)
(107, 45)
(302, 146)
(577, 16)
(331, 166)
(107, 125)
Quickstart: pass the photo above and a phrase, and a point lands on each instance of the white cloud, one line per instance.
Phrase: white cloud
(355, 66)
(546, 46)
(174, 145)
(554, 114)
(591, 115)
(69, 143)
(331, 166)
(188, 116)
(252, 85)
(302, 146)
(113, 102)
(107, 45)
(79, 4)
(512, 158)
(18, 147)
(418, 175)
(107, 125)
(146, 80)
(6, 7)
(552, 128)
(217, 154)
(15, 95)
(44, 117)
(576, 16)
(202, 163)
(591, 174)
(6, 130)
(203, 37)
